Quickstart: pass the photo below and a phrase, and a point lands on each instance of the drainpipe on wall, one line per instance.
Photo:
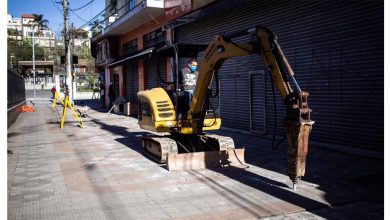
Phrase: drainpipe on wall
(107, 84)
(170, 61)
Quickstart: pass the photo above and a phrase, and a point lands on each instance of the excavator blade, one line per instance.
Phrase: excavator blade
(206, 159)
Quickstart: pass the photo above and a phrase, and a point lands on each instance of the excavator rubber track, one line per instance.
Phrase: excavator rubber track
(218, 151)
(158, 147)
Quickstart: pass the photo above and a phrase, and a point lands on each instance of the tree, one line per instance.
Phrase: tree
(80, 33)
(12, 32)
(84, 53)
(41, 23)
(96, 27)
(22, 49)
(92, 80)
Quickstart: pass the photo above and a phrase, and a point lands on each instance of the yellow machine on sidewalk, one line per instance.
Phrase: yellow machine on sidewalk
(188, 146)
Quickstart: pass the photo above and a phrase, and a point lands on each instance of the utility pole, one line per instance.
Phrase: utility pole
(68, 61)
(73, 67)
(33, 61)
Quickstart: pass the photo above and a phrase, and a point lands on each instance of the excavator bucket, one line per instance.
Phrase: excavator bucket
(206, 159)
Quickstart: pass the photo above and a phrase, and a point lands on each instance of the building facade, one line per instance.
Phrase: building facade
(14, 23)
(80, 38)
(44, 38)
(27, 21)
(336, 60)
(19, 28)
(14, 27)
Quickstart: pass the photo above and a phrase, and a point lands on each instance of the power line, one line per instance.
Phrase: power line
(96, 16)
(78, 16)
(56, 6)
(82, 6)
(82, 12)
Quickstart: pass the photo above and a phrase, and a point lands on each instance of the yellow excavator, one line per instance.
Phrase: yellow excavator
(184, 143)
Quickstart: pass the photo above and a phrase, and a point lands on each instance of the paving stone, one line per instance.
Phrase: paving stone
(99, 172)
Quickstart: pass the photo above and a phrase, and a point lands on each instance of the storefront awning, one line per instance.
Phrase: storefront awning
(141, 55)
(184, 50)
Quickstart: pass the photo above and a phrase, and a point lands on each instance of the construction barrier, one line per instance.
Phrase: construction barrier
(26, 108)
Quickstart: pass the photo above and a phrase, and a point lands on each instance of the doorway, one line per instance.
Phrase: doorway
(257, 101)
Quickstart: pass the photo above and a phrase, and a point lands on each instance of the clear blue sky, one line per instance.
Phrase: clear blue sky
(54, 15)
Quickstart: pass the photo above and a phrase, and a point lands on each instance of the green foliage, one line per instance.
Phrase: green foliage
(22, 50)
(80, 34)
(96, 27)
(42, 23)
(87, 82)
(92, 80)
(12, 32)
(84, 53)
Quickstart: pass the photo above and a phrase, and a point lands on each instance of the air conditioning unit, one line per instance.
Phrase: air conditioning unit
(111, 19)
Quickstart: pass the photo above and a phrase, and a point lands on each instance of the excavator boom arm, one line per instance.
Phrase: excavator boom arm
(297, 121)
(222, 48)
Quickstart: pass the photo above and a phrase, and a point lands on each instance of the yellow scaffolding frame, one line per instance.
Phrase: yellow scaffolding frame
(57, 96)
(66, 104)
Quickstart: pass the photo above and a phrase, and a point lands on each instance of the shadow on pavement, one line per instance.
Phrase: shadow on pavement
(343, 178)
(91, 103)
(131, 140)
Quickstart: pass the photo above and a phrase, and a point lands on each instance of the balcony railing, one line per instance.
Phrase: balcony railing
(111, 14)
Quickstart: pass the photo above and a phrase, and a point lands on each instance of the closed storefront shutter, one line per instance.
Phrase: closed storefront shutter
(257, 102)
(155, 64)
(235, 100)
(336, 51)
(131, 69)
(152, 80)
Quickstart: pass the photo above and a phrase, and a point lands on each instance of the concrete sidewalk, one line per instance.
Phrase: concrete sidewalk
(100, 172)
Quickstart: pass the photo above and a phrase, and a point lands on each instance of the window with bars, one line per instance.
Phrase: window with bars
(101, 51)
(154, 38)
(130, 47)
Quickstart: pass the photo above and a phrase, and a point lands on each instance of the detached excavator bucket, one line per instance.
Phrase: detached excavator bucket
(207, 159)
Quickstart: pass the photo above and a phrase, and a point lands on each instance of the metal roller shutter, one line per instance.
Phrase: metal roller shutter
(235, 100)
(257, 101)
(152, 80)
(336, 51)
(131, 70)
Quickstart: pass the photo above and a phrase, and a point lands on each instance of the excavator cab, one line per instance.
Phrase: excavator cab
(170, 109)
(177, 52)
